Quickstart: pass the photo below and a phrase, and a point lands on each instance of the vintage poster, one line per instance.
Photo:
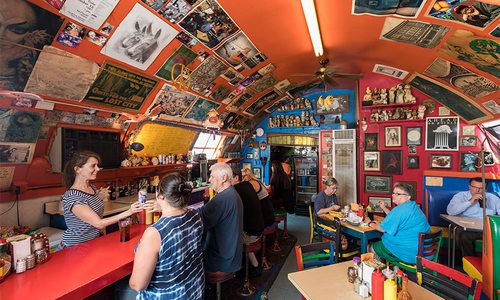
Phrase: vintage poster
(220, 93)
(309, 88)
(277, 104)
(421, 34)
(236, 49)
(235, 105)
(207, 72)
(474, 13)
(496, 32)
(6, 174)
(170, 102)
(261, 102)
(16, 153)
(467, 82)
(175, 10)
(239, 123)
(209, 23)
(481, 52)
(39, 28)
(389, 71)
(232, 76)
(403, 8)
(55, 73)
(19, 126)
(119, 88)
(492, 106)
(72, 35)
(199, 111)
(88, 12)
(264, 83)
(139, 38)
(183, 55)
(441, 133)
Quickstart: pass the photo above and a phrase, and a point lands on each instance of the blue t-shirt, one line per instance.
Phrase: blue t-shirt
(402, 226)
(323, 201)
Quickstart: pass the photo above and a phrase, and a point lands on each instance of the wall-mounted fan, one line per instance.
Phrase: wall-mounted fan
(327, 74)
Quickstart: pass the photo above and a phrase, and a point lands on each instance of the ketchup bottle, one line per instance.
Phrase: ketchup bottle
(378, 285)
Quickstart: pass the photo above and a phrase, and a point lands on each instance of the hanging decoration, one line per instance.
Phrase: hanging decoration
(213, 123)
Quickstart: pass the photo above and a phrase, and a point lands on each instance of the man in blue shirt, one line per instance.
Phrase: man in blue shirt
(470, 204)
(326, 200)
(401, 226)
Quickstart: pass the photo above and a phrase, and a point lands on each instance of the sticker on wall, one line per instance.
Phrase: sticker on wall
(264, 83)
(492, 106)
(467, 82)
(236, 49)
(55, 72)
(19, 126)
(16, 153)
(403, 8)
(207, 72)
(170, 102)
(175, 10)
(421, 34)
(441, 133)
(474, 13)
(389, 71)
(120, 88)
(481, 52)
(139, 38)
(261, 102)
(200, 110)
(88, 12)
(183, 55)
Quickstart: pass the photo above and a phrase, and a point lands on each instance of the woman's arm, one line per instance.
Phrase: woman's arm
(87, 215)
(145, 259)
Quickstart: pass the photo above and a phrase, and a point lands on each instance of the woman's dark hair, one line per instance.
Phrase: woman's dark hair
(77, 160)
(175, 190)
(279, 180)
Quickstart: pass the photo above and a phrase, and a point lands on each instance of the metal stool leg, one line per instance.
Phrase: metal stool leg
(449, 245)
(285, 232)
(276, 246)
(218, 291)
(265, 263)
(247, 289)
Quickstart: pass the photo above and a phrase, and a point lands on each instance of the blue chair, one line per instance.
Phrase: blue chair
(323, 254)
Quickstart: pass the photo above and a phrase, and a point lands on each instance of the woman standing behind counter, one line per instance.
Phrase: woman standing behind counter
(82, 202)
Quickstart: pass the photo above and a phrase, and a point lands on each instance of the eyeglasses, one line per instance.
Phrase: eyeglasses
(399, 194)
(333, 187)
(476, 187)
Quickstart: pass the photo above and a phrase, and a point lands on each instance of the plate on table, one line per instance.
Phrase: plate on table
(353, 223)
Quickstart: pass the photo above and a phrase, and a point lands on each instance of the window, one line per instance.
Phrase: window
(209, 144)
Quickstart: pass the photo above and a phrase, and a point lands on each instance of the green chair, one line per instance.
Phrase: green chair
(330, 230)
(320, 254)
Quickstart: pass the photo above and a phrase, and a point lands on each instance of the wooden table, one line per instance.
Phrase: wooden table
(364, 233)
(330, 282)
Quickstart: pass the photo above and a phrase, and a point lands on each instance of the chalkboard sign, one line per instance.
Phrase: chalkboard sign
(164, 139)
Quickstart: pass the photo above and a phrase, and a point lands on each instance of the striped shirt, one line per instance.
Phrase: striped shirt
(79, 231)
(179, 270)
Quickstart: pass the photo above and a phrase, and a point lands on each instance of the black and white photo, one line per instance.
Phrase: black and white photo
(441, 133)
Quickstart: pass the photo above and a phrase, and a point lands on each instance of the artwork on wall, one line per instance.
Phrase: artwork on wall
(474, 13)
(236, 49)
(412, 149)
(16, 153)
(442, 133)
(170, 102)
(391, 162)
(412, 162)
(200, 109)
(468, 141)
(378, 184)
(19, 126)
(489, 159)
(371, 141)
(175, 10)
(374, 203)
(256, 172)
(261, 102)
(332, 104)
(264, 83)
(207, 72)
(402, 8)
(220, 93)
(413, 32)
(492, 106)
(183, 55)
(371, 161)
(468, 130)
(440, 161)
(392, 136)
(468, 161)
(414, 136)
(389, 71)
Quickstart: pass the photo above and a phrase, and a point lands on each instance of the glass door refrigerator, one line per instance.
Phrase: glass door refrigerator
(306, 182)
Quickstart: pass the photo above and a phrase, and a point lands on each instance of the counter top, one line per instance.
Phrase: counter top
(76, 272)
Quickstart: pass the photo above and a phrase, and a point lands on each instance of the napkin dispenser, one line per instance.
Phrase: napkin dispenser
(20, 247)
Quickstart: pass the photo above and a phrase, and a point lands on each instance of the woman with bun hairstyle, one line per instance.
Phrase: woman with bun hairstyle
(168, 261)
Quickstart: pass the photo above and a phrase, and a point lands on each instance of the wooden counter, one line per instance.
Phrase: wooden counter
(78, 271)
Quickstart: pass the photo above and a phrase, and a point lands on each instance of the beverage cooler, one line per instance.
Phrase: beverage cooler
(306, 182)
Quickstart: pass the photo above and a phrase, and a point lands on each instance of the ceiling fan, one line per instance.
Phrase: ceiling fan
(326, 74)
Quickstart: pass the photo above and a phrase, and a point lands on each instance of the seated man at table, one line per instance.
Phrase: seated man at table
(470, 204)
(223, 222)
(401, 226)
(326, 200)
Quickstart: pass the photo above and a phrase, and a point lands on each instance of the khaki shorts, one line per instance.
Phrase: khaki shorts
(249, 239)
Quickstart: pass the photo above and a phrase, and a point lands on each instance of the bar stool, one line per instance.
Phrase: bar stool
(280, 215)
(266, 265)
(248, 289)
(218, 278)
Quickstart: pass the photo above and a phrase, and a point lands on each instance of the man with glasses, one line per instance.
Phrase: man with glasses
(401, 227)
(470, 204)
(326, 200)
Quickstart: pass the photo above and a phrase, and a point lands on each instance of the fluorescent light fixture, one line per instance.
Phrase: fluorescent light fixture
(313, 26)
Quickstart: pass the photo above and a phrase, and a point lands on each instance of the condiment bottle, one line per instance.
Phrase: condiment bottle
(404, 294)
(390, 289)
(399, 279)
(357, 280)
(378, 285)
(363, 290)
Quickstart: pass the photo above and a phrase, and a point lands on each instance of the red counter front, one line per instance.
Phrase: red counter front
(78, 271)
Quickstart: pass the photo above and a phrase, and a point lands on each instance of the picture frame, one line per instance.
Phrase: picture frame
(440, 161)
(468, 141)
(391, 162)
(412, 162)
(469, 161)
(371, 141)
(468, 130)
(412, 149)
(414, 136)
(489, 159)
(371, 161)
(257, 172)
(392, 136)
(373, 201)
(249, 155)
(331, 104)
(441, 133)
(377, 184)
(245, 166)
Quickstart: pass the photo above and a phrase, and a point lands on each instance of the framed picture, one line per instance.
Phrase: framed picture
(441, 133)
(374, 203)
(468, 141)
(371, 141)
(391, 162)
(412, 162)
(393, 136)
(245, 166)
(378, 184)
(412, 149)
(468, 162)
(256, 172)
(413, 135)
(440, 161)
(371, 161)
(332, 104)
(489, 159)
(469, 130)
(414, 186)
(250, 155)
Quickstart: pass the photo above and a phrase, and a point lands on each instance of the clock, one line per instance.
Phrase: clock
(259, 132)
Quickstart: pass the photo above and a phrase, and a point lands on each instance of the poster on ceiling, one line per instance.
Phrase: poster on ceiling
(236, 49)
(235, 105)
(278, 104)
(16, 153)
(208, 71)
(239, 123)
(19, 126)
(467, 82)
(220, 93)
(90, 13)
(261, 102)
(170, 103)
(183, 55)
(120, 89)
(264, 83)
(481, 52)
(17, 56)
(55, 72)
(492, 106)
(403, 8)
(421, 34)
(474, 13)
(209, 23)
(139, 38)
(199, 111)
(175, 10)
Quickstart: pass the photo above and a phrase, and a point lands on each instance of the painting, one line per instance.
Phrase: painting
(391, 162)
(371, 141)
(467, 82)
(440, 161)
(371, 161)
(468, 141)
(378, 184)
(468, 161)
(479, 51)
(139, 38)
(332, 104)
(459, 104)
(374, 203)
(199, 110)
(421, 34)
(392, 136)
(403, 8)
(264, 83)
(236, 49)
(19, 126)
(474, 13)
(442, 133)
(414, 136)
(183, 55)
(492, 106)
(175, 10)
(16, 153)
(204, 74)
(170, 103)
(389, 71)
(489, 159)
(412, 162)
(256, 172)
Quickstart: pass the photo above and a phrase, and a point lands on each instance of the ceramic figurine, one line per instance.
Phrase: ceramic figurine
(399, 94)
(383, 96)
(413, 114)
(384, 116)
(307, 103)
(408, 114)
(392, 95)
(298, 121)
(421, 111)
(312, 121)
(396, 114)
(408, 97)
(368, 96)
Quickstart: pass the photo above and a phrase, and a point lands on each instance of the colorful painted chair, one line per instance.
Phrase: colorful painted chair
(319, 254)
(314, 236)
(491, 257)
(330, 230)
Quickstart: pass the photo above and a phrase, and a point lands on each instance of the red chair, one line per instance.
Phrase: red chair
(266, 265)
(248, 289)
(218, 278)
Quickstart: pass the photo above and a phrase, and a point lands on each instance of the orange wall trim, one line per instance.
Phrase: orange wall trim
(460, 174)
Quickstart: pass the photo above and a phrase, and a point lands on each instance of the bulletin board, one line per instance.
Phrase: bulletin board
(164, 139)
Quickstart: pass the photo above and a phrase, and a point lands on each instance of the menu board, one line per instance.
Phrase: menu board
(165, 139)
